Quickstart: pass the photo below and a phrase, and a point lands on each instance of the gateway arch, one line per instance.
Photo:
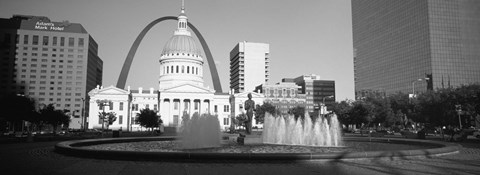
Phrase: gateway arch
(122, 79)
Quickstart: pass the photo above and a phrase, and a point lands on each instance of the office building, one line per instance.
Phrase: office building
(415, 45)
(249, 66)
(54, 63)
(317, 92)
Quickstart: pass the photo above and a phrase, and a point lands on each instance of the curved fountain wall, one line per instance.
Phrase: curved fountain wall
(285, 130)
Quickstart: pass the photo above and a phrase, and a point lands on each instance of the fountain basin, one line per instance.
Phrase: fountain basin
(78, 148)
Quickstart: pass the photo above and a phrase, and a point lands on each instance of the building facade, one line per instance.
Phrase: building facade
(317, 92)
(284, 96)
(400, 44)
(249, 66)
(55, 63)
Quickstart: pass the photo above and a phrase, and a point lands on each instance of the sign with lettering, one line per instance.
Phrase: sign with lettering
(47, 26)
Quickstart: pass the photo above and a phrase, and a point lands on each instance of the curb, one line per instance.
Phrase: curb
(74, 148)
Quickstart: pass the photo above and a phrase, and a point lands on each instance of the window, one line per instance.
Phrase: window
(110, 106)
(214, 107)
(188, 69)
(155, 107)
(120, 119)
(135, 107)
(183, 69)
(80, 42)
(45, 40)
(196, 105)
(121, 106)
(62, 42)
(177, 69)
(35, 40)
(71, 41)
(225, 121)
(54, 41)
(25, 39)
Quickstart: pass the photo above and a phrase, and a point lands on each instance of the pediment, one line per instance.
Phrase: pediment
(111, 90)
(188, 88)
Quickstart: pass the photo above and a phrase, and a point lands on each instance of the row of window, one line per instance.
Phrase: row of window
(52, 55)
(180, 69)
(53, 66)
(53, 41)
(51, 94)
(120, 120)
(53, 49)
(58, 88)
(53, 60)
(31, 82)
(178, 54)
(121, 106)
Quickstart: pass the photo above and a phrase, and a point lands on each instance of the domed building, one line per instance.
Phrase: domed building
(181, 90)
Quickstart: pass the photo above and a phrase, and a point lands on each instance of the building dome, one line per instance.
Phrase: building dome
(181, 45)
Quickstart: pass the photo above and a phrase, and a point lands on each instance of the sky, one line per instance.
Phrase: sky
(305, 37)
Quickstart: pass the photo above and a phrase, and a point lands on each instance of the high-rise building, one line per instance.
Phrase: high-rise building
(317, 91)
(398, 44)
(8, 46)
(54, 63)
(249, 66)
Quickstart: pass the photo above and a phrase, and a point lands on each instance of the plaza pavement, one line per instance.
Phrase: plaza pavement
(39, 158)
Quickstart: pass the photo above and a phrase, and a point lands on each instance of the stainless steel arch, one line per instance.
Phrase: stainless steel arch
(122, 79)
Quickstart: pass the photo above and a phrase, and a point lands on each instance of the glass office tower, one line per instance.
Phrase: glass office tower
(400, 44)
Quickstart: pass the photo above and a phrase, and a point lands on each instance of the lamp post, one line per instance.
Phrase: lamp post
(83, 115)
(458, 108)
(323, 108)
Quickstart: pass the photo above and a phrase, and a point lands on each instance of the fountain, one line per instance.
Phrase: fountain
(285, 130)
(284, 138)
(200, 132)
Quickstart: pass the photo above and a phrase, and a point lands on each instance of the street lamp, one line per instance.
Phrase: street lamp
(458, 108)
(323, 109)
(331, 96)
(84, 121)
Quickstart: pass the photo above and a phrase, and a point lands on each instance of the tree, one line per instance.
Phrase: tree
(261, 110)
(298, 112)
(54, 117)
(382, 113)
(362, 112)
(16, 108)
(108, 118)
(343, 110)
(240, 120)
(149, 118)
